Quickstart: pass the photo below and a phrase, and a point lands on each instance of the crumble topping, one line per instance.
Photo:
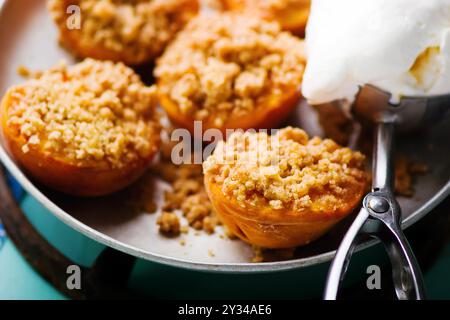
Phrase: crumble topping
(86, 113)
(284, 170)
(140, 27)
(169, 224)
(187, 194)
(228, 64)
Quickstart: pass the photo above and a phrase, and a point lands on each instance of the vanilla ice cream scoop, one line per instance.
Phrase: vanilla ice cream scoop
(400, 46)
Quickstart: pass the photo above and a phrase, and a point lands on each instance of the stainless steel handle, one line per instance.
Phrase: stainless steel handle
(406, 273)
(380, 217)
(382, 206)
(342, 258)
(382, 164)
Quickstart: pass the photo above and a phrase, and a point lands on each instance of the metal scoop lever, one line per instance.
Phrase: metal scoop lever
(380, 216)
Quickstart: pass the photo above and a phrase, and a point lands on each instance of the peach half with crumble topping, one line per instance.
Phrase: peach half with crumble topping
(88, 129)
(283, 190)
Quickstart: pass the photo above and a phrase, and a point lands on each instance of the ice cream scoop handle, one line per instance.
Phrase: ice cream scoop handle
(380, 218)
(383, 207)
(382, 168)
(406, 273)
(343, 255)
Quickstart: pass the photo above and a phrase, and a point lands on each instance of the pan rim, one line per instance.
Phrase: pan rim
(249, 267)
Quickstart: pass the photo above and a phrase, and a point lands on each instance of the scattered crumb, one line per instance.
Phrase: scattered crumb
(184, 229)
(335, 122)
(23, 71)
(418, 168)
(257, 254)
(169, 224)
(150, 206)
(187, 192)
(183, 242)
(211, 253)
(405, 170)
(270, 255)
(230, 235)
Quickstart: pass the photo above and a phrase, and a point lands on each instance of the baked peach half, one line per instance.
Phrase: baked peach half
(88, 129)
(132, 32)
(268, 114)
(230, 71)
(291, 14)
(283, 190)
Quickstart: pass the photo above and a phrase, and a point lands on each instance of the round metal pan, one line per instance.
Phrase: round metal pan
(29, 38)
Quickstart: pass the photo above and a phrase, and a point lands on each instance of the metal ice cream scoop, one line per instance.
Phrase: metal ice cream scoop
(380, 216)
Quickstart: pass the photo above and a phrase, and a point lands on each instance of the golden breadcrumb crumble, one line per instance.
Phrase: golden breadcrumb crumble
(91, 112)
(142, 28)
(187, 194)
(335, 122)
(169, 224)
(23, 71)
(271, 255)
(228, 64)
(405, 171)
(284, 170)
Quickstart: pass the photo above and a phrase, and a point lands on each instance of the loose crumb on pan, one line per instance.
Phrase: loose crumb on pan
(405, 170)
(270, 255)
(336, 123)
(228, 64)
(257, 254)
(169, 224)
(26, 72)
(229, 234)
(186, 193)
(23, 71)
(139, 28)
(91, 112)
(286, 170)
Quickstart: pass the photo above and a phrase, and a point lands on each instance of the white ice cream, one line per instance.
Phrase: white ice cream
(401, 46)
